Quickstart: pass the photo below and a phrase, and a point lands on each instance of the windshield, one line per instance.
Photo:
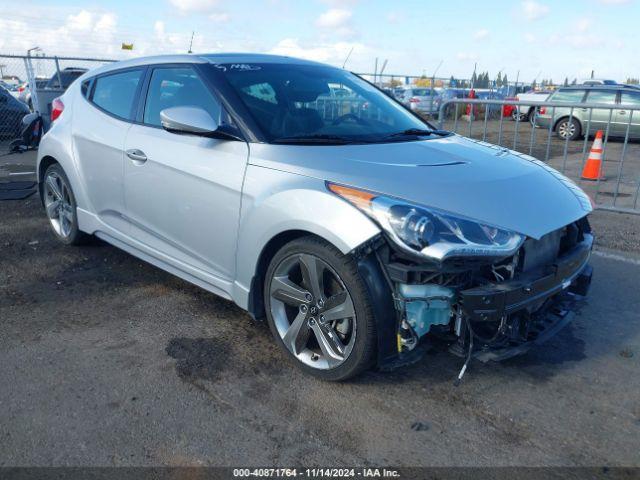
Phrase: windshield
(297, 102)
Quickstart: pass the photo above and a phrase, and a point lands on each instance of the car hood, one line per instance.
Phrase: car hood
(474, 179)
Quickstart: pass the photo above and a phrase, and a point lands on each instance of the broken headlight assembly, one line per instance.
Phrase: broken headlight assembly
(431, 232)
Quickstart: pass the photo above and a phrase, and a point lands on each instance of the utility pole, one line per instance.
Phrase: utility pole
(191, 42)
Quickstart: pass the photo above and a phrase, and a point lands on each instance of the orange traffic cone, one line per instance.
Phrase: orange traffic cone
(593, 168)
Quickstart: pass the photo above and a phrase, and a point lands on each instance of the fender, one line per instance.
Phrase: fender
(57, 143)
(296, 204)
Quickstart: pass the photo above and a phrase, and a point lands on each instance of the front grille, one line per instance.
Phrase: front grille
(537, 253)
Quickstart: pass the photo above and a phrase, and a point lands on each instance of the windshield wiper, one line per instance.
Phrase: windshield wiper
(418, 132)
(317, 138)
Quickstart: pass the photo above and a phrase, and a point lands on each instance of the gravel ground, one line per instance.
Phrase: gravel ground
(109, 361)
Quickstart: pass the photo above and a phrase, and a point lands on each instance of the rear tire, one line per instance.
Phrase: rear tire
(297, 316)
(60, 207)
(517, 116)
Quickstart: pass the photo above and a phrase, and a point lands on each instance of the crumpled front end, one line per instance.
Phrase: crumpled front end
(487, 311)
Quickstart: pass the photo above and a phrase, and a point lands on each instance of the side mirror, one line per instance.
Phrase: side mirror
(191, 120)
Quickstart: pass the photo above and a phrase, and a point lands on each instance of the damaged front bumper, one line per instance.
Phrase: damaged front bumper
(504, 318)
(530, 309)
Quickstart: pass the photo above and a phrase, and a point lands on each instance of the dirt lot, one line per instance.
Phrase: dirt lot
(109, 361)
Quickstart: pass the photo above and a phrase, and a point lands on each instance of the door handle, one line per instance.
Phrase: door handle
(136, 155)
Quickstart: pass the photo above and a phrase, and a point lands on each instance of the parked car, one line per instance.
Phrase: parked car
(573, 124)
(398, 93)
(355, 237)
(423, 100)
(11, 88)
(64, 78)
(523, 112)
(25, 92)
(11, 113)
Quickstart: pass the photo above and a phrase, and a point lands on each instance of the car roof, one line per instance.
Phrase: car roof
(619, 86)
(210, 58)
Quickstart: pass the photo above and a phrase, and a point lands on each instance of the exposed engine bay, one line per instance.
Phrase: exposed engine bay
(489, 310)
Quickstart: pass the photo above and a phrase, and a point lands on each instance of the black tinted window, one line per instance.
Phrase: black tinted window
(115, 93)
(293, 102)
(85, 87)
(177, 87)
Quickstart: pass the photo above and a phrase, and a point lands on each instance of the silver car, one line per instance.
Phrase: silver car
(423, 100)
(359, 238)
(574, 123)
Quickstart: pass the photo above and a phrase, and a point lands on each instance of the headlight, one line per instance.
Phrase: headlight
(431, 232)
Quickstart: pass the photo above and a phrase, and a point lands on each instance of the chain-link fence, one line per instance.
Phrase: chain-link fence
(30, 83)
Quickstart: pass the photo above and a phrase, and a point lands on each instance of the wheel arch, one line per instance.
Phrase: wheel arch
(43, 165)
(256, 300)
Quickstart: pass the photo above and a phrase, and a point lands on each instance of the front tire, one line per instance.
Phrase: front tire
(318, 309)
(60, 206)
(567, 127)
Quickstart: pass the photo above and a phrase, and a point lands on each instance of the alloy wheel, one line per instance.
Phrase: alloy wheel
(57, 202)
(313, 311)
(566, 129)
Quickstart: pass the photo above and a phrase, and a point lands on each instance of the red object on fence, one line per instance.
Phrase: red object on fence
(507, 110)
(472, 95)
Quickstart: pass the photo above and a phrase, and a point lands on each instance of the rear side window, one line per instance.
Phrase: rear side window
(568, 96)
(84, 88)
(602, 96)
(178, 87)
(630, 98)
(115, 93)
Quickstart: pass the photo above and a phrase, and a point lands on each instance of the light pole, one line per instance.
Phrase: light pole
(433, 81)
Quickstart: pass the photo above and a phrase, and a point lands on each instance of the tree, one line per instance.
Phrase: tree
(505, 81)
(633, 81)
(574, 82)
(566, 82)
(499, 80)
(533, 84)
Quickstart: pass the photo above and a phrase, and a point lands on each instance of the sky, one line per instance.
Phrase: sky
(540, 39)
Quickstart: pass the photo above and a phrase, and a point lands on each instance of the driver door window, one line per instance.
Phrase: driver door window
(177, 87)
